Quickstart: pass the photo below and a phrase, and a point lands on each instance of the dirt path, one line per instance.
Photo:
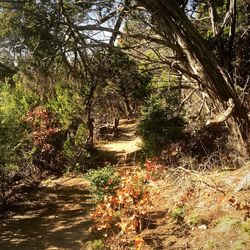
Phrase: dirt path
(128, 143)
(54, 217)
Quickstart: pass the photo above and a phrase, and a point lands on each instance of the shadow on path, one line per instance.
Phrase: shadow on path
(54, 217)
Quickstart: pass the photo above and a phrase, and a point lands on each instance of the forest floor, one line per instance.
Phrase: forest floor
(199, 210)
(190, 209)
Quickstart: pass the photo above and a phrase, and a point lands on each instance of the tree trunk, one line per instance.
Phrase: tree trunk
(116, 124)
(126, 101)
(128, 107)
(90, 119)
(170, 18)
(90, 139)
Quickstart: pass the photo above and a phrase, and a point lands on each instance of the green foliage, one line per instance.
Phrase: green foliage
(14, 104)
(159, 125)
(246, 227)
(67, 104)
(97, 245)
(209, 34)
(177, 214)
(103, 181)
(15, 144)
(129, 82)
(193, 220)
(74, 150)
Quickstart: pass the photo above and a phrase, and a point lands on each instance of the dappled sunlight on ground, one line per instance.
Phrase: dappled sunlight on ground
(55, 217)
(127, 143)
(124, 147)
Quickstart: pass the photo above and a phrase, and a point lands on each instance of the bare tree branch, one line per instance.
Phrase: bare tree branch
(224, 116)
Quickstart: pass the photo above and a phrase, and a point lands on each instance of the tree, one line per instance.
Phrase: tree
(128, 82)
(46, 46)
(196, 55)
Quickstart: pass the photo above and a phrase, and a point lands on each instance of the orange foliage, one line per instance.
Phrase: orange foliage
(122, 211)
(125, 212)
(43, 124)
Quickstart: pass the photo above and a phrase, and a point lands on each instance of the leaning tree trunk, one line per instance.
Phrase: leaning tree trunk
(171, 19)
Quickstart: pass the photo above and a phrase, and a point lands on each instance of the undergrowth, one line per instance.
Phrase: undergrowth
(103, 181)
(122, 213)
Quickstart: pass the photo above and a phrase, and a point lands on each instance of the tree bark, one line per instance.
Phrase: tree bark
(170, 17)
(213, 17)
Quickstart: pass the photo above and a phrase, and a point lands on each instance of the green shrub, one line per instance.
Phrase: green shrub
(67, 104)
(74, 152)
(15, 102)
(177, 214)
(193, 220)
(246, 226)
(103, 181)
(15, 144)
(97, 245)
(159, 126)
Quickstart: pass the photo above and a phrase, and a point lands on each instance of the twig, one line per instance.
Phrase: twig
(209, 185)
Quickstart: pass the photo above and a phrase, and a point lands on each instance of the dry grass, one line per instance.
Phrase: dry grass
(211, 220)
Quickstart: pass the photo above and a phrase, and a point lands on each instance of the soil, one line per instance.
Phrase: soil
(127, 143)
(213, 216)
(53, 217)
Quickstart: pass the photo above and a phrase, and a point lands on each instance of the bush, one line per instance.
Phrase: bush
(177, 214)
(125, 212)
(68, 105)
(74, 151)
(46, 136)
(159, 126)
(14, 104)
(193, 220)
(97, 245)
(246, 227)
(15, 145)
(103, 181)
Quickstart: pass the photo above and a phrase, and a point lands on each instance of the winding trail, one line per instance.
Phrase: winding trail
(128, 143)
(56, 216)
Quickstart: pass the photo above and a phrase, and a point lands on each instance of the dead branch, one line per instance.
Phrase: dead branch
(211, 186)
(189, 96)
(223, 117)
